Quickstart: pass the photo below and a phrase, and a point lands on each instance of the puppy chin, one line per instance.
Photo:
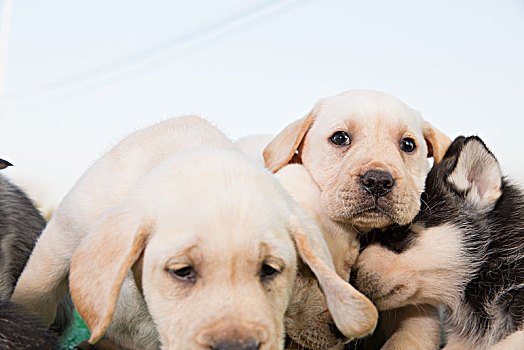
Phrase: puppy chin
(363, 211)
(364, 216)
(371, 219)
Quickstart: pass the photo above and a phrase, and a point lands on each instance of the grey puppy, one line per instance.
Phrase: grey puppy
(19, 330)
(20, 227)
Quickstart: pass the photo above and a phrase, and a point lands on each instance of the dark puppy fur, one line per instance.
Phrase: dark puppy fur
(19, 330)
(20, 226)
(465, 250)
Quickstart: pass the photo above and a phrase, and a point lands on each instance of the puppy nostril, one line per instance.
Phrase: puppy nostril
(336, 332)
(368, 181)
(377, 183)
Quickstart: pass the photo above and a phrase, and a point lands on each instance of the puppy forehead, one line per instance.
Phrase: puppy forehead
(223, 224)
(368, 107)
(219, 198)
(205, 243)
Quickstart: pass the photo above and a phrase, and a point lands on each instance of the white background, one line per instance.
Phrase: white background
(83, 74)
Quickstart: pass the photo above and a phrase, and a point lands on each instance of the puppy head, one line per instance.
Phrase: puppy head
(367, 153)
(428, 261)
(212, 239)
(308, 323)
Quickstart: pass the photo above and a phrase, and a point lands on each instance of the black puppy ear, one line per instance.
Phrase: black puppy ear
(4, 164)
(477, 174)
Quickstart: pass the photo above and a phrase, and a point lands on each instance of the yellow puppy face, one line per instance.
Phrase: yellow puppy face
(235, 272)
(367, 152)
(368, 156)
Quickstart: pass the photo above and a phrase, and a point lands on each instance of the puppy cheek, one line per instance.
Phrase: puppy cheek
(409, 209)
(278, 297)
(284, 294)
(339, 202)
(417, 174)
(328, 201)
(408, 201)
(172, 329)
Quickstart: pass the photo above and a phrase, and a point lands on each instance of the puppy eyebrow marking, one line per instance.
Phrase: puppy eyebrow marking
(266, 255)
(181, 252)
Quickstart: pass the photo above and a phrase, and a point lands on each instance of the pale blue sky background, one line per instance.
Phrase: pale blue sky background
(75, 84)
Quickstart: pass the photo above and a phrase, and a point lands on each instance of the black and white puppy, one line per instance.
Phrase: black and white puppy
(465, 251)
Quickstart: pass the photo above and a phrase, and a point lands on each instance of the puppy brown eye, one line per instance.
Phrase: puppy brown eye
(185, 273)
(340, 138)
(407, 145)
(268, 272)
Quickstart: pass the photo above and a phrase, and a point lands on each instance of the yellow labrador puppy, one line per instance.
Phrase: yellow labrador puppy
(176, 240)
(367, 153)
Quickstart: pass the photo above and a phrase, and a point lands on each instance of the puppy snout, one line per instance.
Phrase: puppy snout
(223, 337)
(236, 345)
(378, 183)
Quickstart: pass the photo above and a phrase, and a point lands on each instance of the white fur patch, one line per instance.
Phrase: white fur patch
(440, 263)
(478, 174)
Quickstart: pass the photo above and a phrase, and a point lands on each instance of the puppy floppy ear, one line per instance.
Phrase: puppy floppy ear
(100, 266)
(282, 148)
(437, 142)
(353, 313)
(477, 174)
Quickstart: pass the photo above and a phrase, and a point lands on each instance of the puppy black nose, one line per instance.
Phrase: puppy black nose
(377, 183)
(336, 332)
(236, 345)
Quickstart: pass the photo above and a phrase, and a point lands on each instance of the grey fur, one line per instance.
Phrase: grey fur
(19, 330)
(20, 227)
